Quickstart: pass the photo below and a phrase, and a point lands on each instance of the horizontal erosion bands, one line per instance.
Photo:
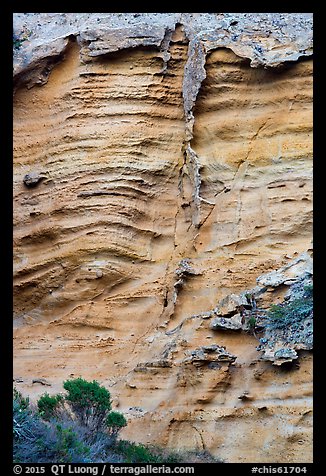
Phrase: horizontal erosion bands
(87, 228)
(110, 139)
(106, 113)
(104, 213)
(84, 130)
(75, 249)
(82, 187)
(88, 197)
(243, 113)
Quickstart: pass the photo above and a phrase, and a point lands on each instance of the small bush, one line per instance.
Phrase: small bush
(68, 447)
(66, 437)
(290, 313)
(308, 290)
(18, 40)
(252, 323)
(87, 394)
(22, 424)
(51, 443)
(48, 405)
(114, 422)
(45, 434)
(21, 402)
(90, 402)
(137, 453)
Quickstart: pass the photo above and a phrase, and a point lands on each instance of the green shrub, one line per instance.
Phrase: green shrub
(308, 290)
(290, 313)
(252, 323)
(137, 453)
(48, 405)
(21, 402)
(70, 439)
(51, 443)
(114, 422)
(21, 416)
(65, 437)
(68, 447)
(18, 40)
(90, 402)
(22, 428)
(87, 394)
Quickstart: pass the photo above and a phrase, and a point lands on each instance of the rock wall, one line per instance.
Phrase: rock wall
(161, 163)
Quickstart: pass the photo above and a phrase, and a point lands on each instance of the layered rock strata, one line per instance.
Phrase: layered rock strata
(162, 163)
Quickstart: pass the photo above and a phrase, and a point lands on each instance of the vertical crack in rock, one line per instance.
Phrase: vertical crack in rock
(194, 75)
(187, 172)
(183, 271)
(201, 437)
(194, 166)
(189, 182)
(165, 49)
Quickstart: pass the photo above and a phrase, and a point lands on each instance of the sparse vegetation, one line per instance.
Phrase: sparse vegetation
(252, 323)
(308, 290)
(138, 453)
(114, 422)
(19, 39)
(43, 440)
(22, 421)
(80, 427)
(291, 313)
(48, 405)
(21, 402)
(68, 446)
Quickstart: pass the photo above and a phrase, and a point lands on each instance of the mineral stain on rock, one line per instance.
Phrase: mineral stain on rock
(176, 207)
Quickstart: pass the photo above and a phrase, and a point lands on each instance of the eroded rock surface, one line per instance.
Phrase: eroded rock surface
(209, 354)
(173, 162)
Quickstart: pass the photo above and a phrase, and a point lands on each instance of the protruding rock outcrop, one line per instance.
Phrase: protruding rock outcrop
(209, 355)
(233, 323)
(299, 268)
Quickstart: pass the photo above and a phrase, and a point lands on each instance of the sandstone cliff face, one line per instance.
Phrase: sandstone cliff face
(163, 162)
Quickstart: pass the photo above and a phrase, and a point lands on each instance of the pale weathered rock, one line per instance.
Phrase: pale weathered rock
(42, 381)
(231, 323)
(230, 304)
(274, 41)
(280, 356)
(290, 273)
(209, 354)
(185, 269)
(183, 272)
(245, 396)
